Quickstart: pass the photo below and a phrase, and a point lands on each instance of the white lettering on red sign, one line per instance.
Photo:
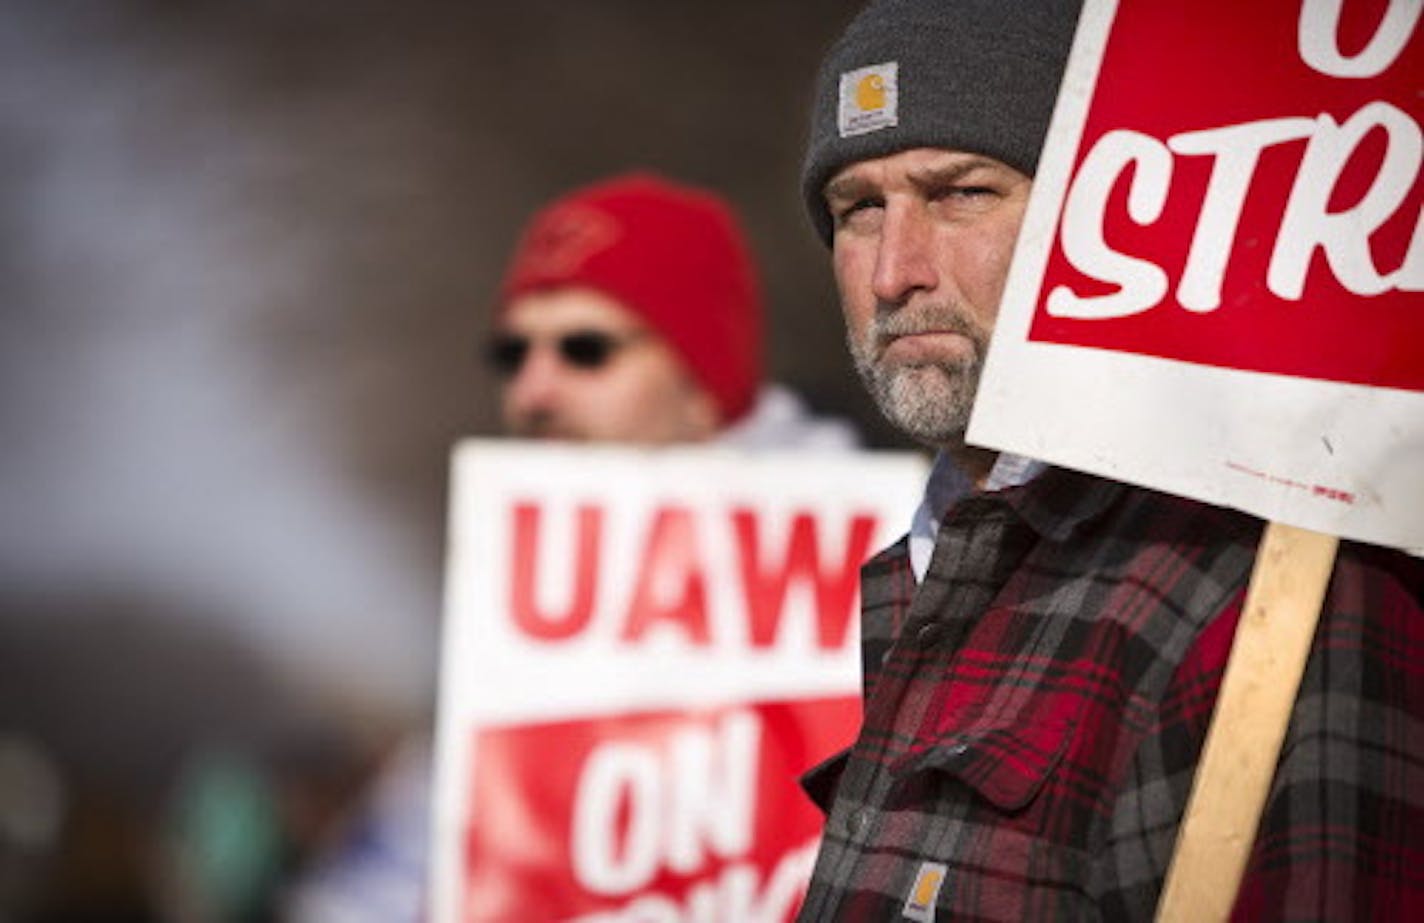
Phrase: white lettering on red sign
(1320, 23)
(1308, 224)
(1343, 236)
(639, 809)
(731, 894)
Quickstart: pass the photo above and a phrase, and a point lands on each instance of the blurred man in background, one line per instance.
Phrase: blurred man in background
(630, 313)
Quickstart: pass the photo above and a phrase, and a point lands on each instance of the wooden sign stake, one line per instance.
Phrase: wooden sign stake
(1253, 708)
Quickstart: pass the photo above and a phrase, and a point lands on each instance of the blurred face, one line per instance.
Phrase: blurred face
(922, 245)
(579, 366)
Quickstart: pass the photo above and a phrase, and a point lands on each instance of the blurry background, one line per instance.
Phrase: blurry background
(248, 254)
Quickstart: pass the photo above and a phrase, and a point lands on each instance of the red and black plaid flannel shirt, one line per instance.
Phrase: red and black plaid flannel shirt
(1035, 709)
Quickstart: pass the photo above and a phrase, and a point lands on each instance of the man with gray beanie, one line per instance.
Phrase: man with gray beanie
(1042, 652)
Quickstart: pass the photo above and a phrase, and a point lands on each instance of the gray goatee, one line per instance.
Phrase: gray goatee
(929, 401)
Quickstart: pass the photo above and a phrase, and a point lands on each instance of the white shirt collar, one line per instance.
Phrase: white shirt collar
(946, 486)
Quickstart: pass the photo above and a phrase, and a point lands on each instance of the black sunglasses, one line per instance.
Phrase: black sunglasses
(583, 349)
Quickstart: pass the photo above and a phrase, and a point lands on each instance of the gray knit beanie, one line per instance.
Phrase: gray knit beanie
(972, 75)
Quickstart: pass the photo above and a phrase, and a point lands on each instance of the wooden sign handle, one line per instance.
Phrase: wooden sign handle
(1253, 708)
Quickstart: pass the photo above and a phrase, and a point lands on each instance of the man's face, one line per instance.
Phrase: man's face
(580, 366)
(922, 245)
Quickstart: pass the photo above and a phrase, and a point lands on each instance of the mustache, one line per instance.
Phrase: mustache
(888, 326)
(543, 425)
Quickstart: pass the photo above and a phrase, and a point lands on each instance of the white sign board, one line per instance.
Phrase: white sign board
(642, 652)
(1219, 287)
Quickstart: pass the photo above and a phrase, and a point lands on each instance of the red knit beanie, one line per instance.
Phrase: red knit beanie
(674, 255)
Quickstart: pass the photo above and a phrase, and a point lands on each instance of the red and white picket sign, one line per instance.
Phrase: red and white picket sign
(1219, 291)
(643, 650)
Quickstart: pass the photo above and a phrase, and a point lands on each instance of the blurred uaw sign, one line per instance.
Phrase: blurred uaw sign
(642, 652)
(1218, 289)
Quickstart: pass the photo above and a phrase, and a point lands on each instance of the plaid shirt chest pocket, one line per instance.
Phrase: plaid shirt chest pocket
(1007, 765)
(984, 802)
(1007, 752)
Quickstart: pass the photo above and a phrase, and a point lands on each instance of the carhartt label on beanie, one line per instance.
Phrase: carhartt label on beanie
(870, 97)
(672, 254)
(971, 75)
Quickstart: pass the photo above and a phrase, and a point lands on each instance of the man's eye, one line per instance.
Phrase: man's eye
(858, 207)
(967, 199)
(966, 192)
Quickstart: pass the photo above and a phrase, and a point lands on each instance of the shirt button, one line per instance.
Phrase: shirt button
(858, 820)
(958, 750)
(929, 634)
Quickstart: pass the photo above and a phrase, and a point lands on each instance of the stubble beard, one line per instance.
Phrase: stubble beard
(930, 401)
